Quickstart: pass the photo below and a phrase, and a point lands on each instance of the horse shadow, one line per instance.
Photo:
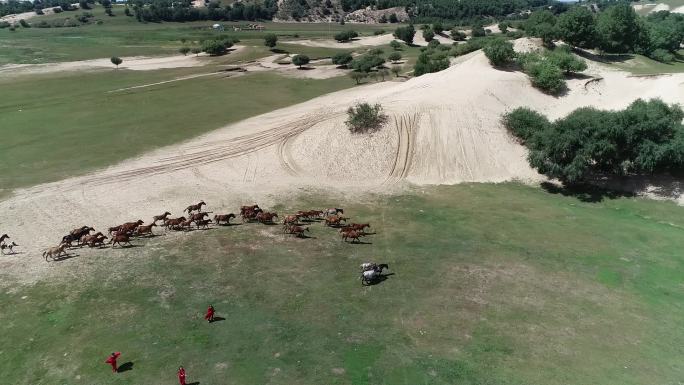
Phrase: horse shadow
(65, 257)
(194, 383)
(131, 246)
(304, 236)
(218, 319)
(270, 223)
(126, 366)
(229, 224)
(381, 278)
(360, 243)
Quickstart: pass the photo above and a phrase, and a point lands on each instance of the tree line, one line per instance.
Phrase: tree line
(181, 11)
(645, 138)
(616, 29)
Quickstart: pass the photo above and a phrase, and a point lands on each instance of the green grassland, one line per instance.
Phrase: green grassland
(55, 126)
(125, 36)
(642, 65)
(492, 284)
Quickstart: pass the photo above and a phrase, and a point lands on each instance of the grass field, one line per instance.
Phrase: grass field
(125, 36)
(492, 284)
(61, 125)
(642, 65)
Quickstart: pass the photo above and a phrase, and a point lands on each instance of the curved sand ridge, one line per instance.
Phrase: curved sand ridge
(443, 128)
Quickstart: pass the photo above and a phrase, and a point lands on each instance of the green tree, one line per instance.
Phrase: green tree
(345, 36)
(393, 18)
(428, 34)
(383, 73)
(358, 76)
(396, 70)
(457, 35)
(503, 27)
(665, 34)
(430, 61)
(214, 47)
(577, 27)
(499, 52)
(619, 29)
(116, 61)
(270, 40)
(395, 45)
(405, 33)
(196, 50)
(300, 60)
(342, 59)
(365, 118)
(184, 50)
(478, 31)
(437, 27)
(394, 56)
(542, 24)
(367, 62)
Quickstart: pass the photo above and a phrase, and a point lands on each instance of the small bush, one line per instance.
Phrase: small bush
(364, 118)
(342, 59)
(662, 56)
(395, 45)
(499, 52)
(270, 40)
(547, 77)
(379, 32)
(428, 34)
(430, 61)
(367, 62)
(57, 10)
(524, 123)
(4, 24)
(458, 35)
(214, 47)
(24, 23)
(433, 44)
(394, 56)
(345, 36)
(478, 31)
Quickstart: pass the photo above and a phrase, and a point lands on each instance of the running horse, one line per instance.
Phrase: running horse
(196, 207)
(223, 218)
(161, 217)
(3, 237)
(7, 246)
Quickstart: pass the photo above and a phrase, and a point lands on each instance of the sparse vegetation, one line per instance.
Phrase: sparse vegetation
(364, 118)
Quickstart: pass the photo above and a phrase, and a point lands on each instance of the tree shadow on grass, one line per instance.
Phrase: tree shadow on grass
(609, 58)
(585, 193)
(278, 50)
(125, 367)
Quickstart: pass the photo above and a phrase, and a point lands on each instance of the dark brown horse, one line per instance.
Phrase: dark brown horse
(353, 234)
(173, 222)
(358, 226)
(161, 217)
(3, 237)
(198, 216)
(297, 231)
(203, 223)
(120, 239)
(223, 218)
(266, 217)
(196, 207)
(87, 239)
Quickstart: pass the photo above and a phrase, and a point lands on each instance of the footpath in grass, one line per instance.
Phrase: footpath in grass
(63, 125)
(491, 284)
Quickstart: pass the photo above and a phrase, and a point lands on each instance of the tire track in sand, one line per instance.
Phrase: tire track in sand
(207, 153)
(406, 125)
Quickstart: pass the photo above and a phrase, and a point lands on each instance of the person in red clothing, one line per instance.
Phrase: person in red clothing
(111, 360)
(181, 375)
(210, 314)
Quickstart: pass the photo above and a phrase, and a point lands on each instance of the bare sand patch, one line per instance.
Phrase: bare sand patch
(364, 41)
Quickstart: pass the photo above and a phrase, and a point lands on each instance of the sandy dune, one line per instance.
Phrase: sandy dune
(437, 134)
(364, 41)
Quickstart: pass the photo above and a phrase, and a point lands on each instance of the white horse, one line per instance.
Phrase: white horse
(10, 247)
(368, 266)
(373, 274)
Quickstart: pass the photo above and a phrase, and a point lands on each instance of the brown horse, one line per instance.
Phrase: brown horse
(129, 227)
(266, 217)
(198, 216)
(173, 222)
(244, 209)
(249, 212)
(55, 252)
(99, 242)
(353, 234)
(185, 225)
(145, 230)
(223, 218)
(87, 239)
(203, 223)
(120, 239)
(297, 231)
(196, 207)
(358, 226)
(161, 217)
(334, 220)
(79, 232)
(291, 219)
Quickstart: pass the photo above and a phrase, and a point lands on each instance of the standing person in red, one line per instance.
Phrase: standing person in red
(111, 360)
(210, 314)
(181, 375)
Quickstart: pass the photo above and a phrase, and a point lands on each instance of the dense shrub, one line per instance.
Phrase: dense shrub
(367, 62)
(394, 56)
(346, 36)
(270, 40)
(645, 138)
(546, 76)
(458, 35)
(430, 61)
(524, 123)
(562, 58)
(216, 47)
(342, 58)
(364, 118)
(478, 31)
(661, 55)
(24, 23)
(428, 34)
(405, 33)
(499, 52)
(395, 45)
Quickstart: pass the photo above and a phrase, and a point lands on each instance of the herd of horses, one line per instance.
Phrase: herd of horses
(295, 224)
